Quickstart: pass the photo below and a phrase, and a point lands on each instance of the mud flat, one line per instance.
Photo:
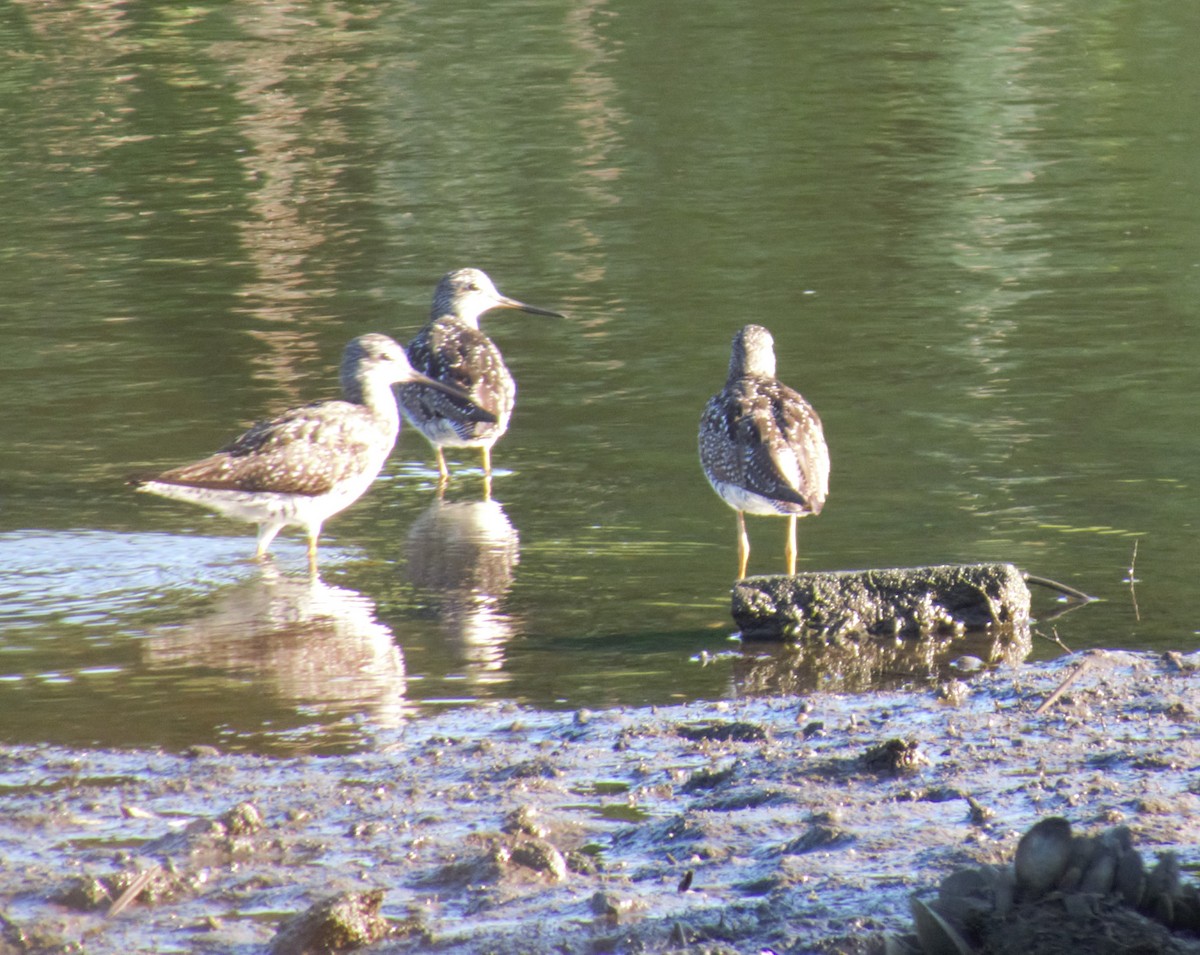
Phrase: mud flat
(792, 824)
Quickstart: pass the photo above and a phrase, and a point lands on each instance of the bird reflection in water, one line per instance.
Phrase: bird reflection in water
(462, 555)
(310, 643)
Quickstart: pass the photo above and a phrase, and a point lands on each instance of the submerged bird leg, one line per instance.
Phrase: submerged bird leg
(743, 546)
(266, 534)
(789, 549)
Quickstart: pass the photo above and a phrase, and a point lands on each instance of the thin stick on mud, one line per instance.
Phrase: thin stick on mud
(1062, 688)
(126, 898)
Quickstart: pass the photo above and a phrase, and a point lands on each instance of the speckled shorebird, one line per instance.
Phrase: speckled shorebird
(307, 464)
(451, 348)
(761, 444)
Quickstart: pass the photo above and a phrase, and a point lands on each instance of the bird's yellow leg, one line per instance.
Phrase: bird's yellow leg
(312, 556)
(743, 546)
(487, 473)
(443, 473)
(789, 550)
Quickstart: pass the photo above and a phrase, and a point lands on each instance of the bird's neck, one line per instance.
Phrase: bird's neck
(376, 396)
(746, 366)
(470, 320)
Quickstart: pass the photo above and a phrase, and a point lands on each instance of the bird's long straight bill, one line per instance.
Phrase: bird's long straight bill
(505, 302)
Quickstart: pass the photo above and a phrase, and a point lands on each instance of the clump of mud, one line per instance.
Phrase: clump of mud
(1063, 893)
(337, 924)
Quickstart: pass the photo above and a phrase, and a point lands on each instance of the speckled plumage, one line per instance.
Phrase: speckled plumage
(762, 447)
(305, 465)
(451, 348)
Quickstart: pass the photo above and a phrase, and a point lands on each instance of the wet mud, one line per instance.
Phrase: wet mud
(786, 824)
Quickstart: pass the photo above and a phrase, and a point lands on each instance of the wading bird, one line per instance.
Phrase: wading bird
(761, 444)
(452, 349)
(308, 463)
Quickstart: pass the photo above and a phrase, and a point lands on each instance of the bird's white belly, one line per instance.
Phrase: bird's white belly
(742, 500)
(254, 506)
(442, 432)
(268, 507)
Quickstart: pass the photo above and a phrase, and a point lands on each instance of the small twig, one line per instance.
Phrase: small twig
(1084, 664)
(1056, 639)
(126, 898)
(1063, 589)
(1137, 614)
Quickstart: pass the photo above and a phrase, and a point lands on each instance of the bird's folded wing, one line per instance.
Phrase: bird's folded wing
(305, 451)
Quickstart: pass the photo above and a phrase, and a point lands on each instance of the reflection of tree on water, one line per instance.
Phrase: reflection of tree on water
(462, 556)
(307, 641)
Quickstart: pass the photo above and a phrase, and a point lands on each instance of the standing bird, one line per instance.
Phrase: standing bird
(304, 466)
(452, 349)
(761, 443)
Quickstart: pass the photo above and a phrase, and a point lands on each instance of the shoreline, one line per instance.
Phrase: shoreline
(790, 823)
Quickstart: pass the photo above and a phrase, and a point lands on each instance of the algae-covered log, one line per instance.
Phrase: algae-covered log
(899, 601)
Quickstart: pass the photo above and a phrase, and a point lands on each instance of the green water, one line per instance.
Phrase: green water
(973, 230)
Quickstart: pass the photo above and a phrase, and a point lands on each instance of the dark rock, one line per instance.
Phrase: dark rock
(523, 820)
(1042, 856)
(894, 757)
(610, 906)
(12, 940)
(337, 924)
(748, 797)
(1131, 879)
(818, 836)
(502, 857)
(708, 779)
(229, 835)
(86, 894)
(722, 731)
(1065, 893)
(537, 768)
(540, 856)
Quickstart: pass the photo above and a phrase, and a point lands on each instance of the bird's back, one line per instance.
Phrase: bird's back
(307, 451)
(452, 351)
(763, 448)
